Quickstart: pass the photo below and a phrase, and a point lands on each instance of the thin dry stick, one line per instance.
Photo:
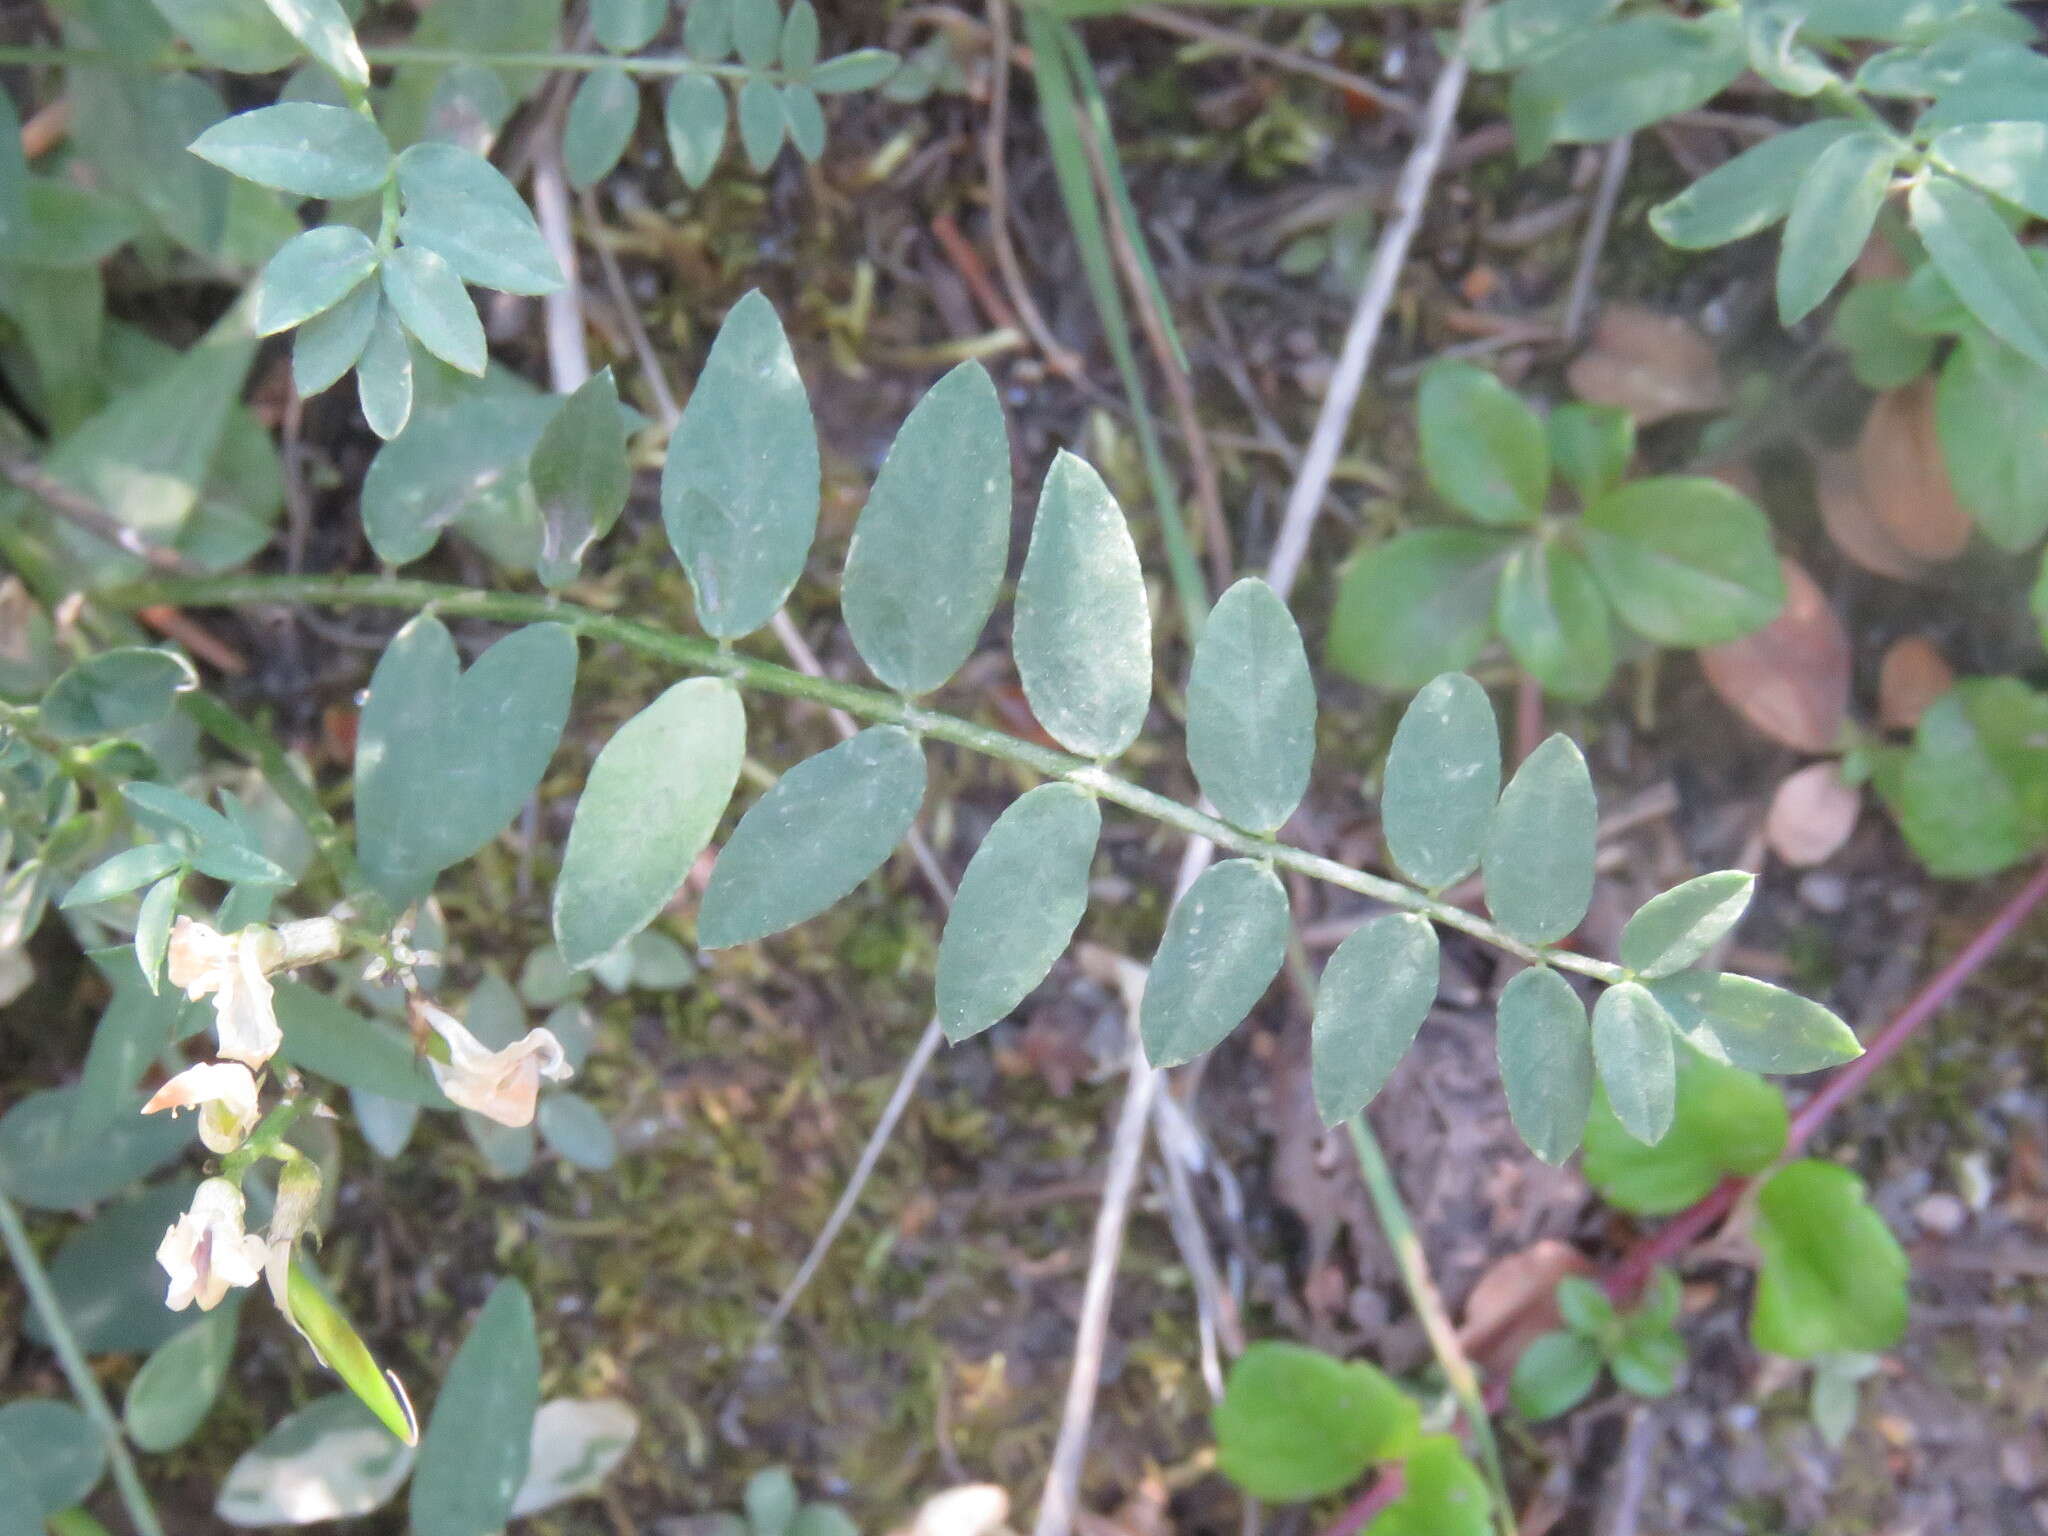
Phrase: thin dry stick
(1255, 48)
(1612, 172)
(1410, 193)
(561, 310)
(24, 474)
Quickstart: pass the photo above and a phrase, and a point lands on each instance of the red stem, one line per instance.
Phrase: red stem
(1359, 1513)
(1528, 716)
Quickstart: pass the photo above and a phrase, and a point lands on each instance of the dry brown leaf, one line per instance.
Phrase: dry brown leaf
(1791, 678)
(1651, 365)
(1852, 522)
(1515, 1302)
(1913, 676)
(1812, 815)
(1904, 477)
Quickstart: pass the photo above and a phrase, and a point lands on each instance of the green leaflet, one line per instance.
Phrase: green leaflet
(1591, 446)
(1546, 1061)
(1224, 943)
(1622, 76)
(1251, 704)
(328, 345)
(444, 758)
(805, 119)
(434, 306)
(310, 273)
(1884, 353)
(1295, 1423)
(861, 70)
(1833, 1278)
(1482, 448)
(238, 35)
(1983, 262)
(300, 147)
(1416, 605)
(761, 122)
(1554, 1375)
(1517, 32)
(739, 494)
(322, 28)
(1831, 217)
(176, 1387)
(107, 1278)
(1375, 993)
(928, 554)
(576, 1131)
(1991, 409)
(2008, 160)
(328, 1039)
(799, 50)
(384, 374)
(694, 118)
(1971, 794)
(1633, 1050)
(126, 871)
(827, 824)
(1685, 560)
(1749, 193)
(1083, 633)
(462, 465)
(329, 1460)
(1441, 781)
(51, 1457)
(1672, 930)
(625, 26)
(118, 691)
(580, 476)
(1019, 902)
(1552, 615)
(1727, 1122)
(653, 799)
(475, 1452)
(1753, 1025)
(1538, 861)
(600, 125)
(458, 206)
(1442, 1494)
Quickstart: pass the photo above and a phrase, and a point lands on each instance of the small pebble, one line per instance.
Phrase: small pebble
(1824, 892)
(1942, 1215)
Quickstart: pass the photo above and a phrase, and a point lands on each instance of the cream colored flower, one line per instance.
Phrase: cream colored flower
(231, 967)
(224, 1093)
(207, 1253)
(499, 1085)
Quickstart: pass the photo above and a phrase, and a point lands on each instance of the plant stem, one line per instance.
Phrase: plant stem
(705, 656)
(1429, 1309)
(43, 1297)
(400, 54)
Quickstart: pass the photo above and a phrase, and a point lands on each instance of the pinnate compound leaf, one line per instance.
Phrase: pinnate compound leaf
(1416, 605)
(1223, 946)
(323, 28)
(433, 305)
(580, 476)
(1442, 1494)
(300, 147)
(1753, 1025)
(1018, 904)
(444, 758)
(1546, 1061)
(694, 118)
(459, 206)
(739, 494)
(1441, 781)
(599, 126)
(1538, 860)
(1831, 217)
(1251, 709)
(329, 1460)
(1554, 1375)
(1295, 1423)
(1375, 993)
(475, 1452)
(1553, 616)
(1685, 560)
(1727, 1123)
(654, 797)
(1983, 262)
(1483, 449)
(928, 554)
(329, 344)
(1749, 193)
(1083, 633)
(1672, 930)
(384, 374)
(1834, 1278)
(828, 824)
(1633, 1049)
(311, 272)
(175, 1389)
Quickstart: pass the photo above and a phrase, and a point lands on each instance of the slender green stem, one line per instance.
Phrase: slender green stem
(751, 672)
(1429, 1308)
(658, 65)
(43, 1297)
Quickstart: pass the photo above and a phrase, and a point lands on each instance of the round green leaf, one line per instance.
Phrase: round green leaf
(739, 493)
(1834, 1278)
(1551, 613)
(1538, 861)
(1633, 1049)
(1591, 445)
(1753, 1025)
(1685, 560)
(1671, 930)
(1441, 781)
(1546, 1061)
(311, 272)
(1983, 262)
(461, 208)
(578, 1133)
(116, 692)
(172, 1393)
(475, 1452)
(1442, 1494)
(1416, 605)
(1992, 415)
(1223, 946)
(1251, 709)
(432, 303)
(654, 797)
(1554, 1375)
(1831, 217)
(929, 551)
(1083, 633)
(1375, 993)
(300, 147)
(1884, 353)
(1483, 449)
(1647, 1363)
(599, 126)
(694, 118)
(1727, 1123)
(1017, 907)
(828, 824)
(1972, 793)
(1295, 1423)
(54, 1450)
(1749, 193)
(580, 476)
(330, 1460)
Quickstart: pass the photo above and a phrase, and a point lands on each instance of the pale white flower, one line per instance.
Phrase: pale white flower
(499, 1085)
(207, 1252)
(224, 1093)
(231, 967)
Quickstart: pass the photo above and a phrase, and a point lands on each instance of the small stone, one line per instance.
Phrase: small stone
(1942, 1215)
(1825, 893)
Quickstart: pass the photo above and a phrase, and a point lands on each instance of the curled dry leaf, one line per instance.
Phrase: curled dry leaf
(1913, 676)
(1905, 478)
(1812, 815)
(1515, 1302)
(1651, 365)
(1852, 521)
(1791, 678)
(972, 1509)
